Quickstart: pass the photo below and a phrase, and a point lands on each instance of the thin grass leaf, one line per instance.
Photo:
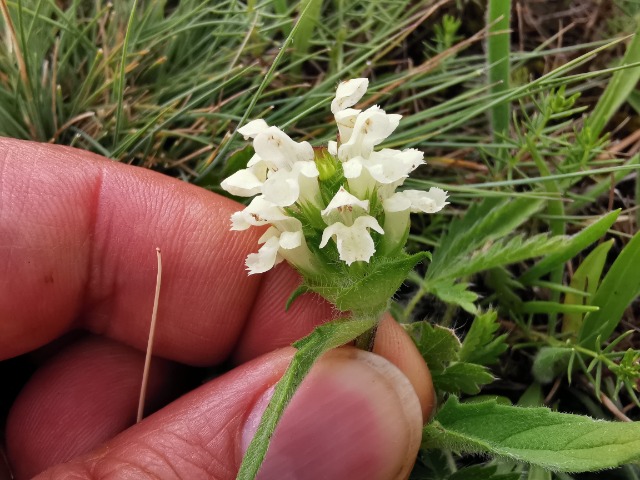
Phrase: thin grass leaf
(585, 279)
(620, 286)
(618, 89)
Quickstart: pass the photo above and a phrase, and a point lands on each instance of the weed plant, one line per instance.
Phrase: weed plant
(530, 296)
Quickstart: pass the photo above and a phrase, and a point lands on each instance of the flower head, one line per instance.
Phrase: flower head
(344, 194)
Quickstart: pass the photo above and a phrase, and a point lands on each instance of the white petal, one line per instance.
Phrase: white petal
(417, 201)
(354, 243)
(278, 150)
(253, 128)
(346, 120)
(352, 168)
(348, 93)
(389, 166)
(398, 202)
(266, 257)
(344, 200)
(332, 147)
(291, 240)
(371, 128)
(243, 183)
(258, 212)
(285, 187)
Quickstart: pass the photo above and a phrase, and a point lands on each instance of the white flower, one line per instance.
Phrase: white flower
(262, 212)
(278, 150)
(246, 182)
(278, 246)
(417, 201)
(371, 127)
(346, 120)
(354, 242)
(348, 93)
(398, 207)
(253, 128)
(286, 187)
(344, 207)
(384, 168)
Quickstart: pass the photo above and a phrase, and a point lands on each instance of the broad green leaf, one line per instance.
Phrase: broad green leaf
(550, 363)
(480, 345)
(371, 291)
(555, 441)
(456, 294)
(618, 289)
(585, 279)
(310, 348)
(438, 345)
(571, 247)
(461, 377)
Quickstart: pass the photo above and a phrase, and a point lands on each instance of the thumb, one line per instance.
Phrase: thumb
(355, 416)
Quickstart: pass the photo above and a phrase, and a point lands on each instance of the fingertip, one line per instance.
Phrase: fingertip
(394, 344)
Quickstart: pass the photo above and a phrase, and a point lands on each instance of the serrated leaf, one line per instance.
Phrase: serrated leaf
(322, 339)
(620, 286)
(456, 294)
(504, 252)
(371, 291)
(571, 247)
(462, 377)
(438, 345)
(480, 345)
(586, 279)
(550, 363)
(552, 440)
(487, 221)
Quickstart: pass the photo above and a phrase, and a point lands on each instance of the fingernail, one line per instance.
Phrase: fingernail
(356, 416)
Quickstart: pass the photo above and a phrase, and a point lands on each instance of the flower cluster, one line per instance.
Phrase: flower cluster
(343, 195)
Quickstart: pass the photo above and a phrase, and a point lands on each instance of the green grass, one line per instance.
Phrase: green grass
(165, 85)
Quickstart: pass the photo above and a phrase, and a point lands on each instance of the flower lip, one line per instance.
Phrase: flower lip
(349, 93)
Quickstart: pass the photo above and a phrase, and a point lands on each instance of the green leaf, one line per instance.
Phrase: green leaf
(544, 307)
(571, 247)
(504, 252)
(371, 290)
(301, 290)
(461, 377)
(555, 441)
(618, 89)
(618, 289)
(438, 345)
(310, 348)
(487, 221)
(585, 279)
(480, 345)
(550, 363)
(456, 294)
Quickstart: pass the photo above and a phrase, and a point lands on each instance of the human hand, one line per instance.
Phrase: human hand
(77, 250)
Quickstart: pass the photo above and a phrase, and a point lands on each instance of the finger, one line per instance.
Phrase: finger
(79, 235)
(356, 416)
(100, 381)
(84, 396)
(393, 343)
